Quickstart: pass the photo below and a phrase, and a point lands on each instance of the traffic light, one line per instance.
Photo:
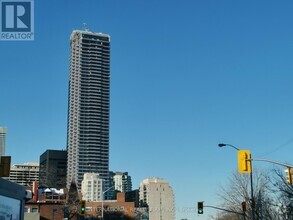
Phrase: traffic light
(244, 163)
(82, 207)
(289, 175)
(243, 204)
(200, 208)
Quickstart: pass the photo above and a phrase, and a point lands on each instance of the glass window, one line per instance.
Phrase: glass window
(35, 210)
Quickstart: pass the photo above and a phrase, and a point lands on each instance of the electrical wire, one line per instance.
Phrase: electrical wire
(278, 148)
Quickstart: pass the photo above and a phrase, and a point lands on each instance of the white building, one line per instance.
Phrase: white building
(24, 174)
(92, 187)
(159, 197)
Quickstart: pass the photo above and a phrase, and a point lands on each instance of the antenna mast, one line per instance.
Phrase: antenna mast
(85, 26)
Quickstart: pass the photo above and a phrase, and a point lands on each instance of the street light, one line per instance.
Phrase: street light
(103, 193)
(230, 145)
(251, 183)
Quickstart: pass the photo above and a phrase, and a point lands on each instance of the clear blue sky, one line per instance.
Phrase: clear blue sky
(185, 75)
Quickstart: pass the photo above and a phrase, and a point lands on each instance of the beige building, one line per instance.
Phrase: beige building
(92, 187)
(24, 174)
(159, 197)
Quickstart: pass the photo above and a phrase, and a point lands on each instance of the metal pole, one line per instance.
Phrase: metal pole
(251, 186)
(102, 205)
(103, 193)
(274, 162)
(251, 181)
(53, 217)
(226, 210)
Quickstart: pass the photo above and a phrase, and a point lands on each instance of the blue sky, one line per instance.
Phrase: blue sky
(185, 76)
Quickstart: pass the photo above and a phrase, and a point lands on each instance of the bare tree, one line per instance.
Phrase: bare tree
(284, 191)
(238, 191)
(72, 202)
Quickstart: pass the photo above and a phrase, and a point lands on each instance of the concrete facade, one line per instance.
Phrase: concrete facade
(159, 197)
(24, 174)
(92, 187)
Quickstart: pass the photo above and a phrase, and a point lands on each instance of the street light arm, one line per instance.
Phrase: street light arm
(226, 210)
(230, 145)
(274, 162)
(108, 189)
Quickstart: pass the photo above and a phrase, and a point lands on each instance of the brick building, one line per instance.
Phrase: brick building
(113, 209)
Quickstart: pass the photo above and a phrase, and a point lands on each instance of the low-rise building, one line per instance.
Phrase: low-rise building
(58, 209)
(48, 210)
(112, 209)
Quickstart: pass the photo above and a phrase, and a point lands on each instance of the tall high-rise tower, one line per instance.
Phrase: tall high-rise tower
(2, 140)
(88, 108)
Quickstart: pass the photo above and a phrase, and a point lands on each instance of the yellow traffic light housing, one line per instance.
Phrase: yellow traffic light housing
(289, 175)
(82, 207)
(244, 161)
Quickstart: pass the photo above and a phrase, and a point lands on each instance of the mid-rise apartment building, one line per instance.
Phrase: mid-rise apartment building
(159, 197)
(92, 187)
(24, 174)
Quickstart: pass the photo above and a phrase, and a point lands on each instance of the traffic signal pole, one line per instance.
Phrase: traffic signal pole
(241, 170)
(251, 189)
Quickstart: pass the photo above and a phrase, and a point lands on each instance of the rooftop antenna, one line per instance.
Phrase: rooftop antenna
(85, 26)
